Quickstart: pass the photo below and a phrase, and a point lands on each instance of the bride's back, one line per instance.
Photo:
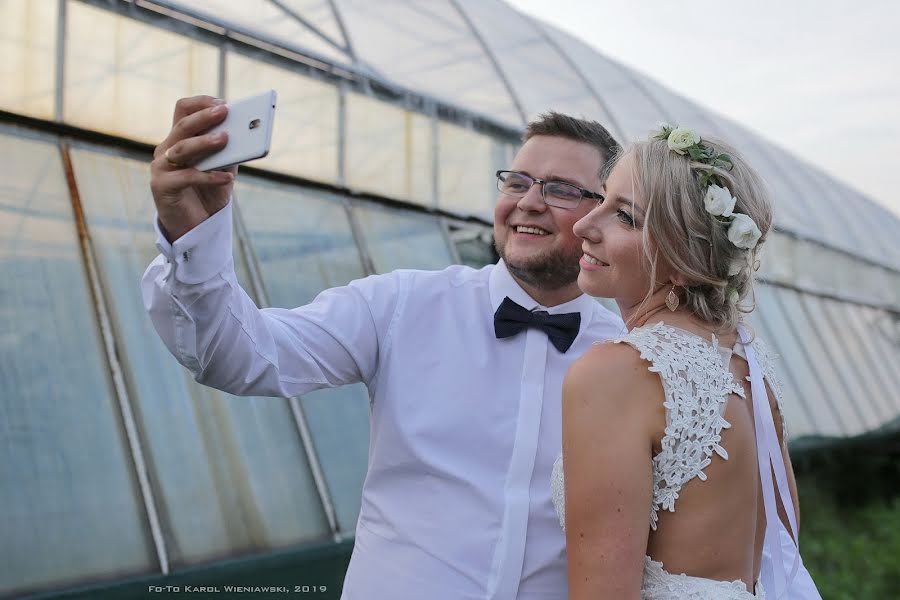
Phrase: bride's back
(718, 511)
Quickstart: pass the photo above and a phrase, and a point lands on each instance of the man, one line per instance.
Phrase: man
(465, 418)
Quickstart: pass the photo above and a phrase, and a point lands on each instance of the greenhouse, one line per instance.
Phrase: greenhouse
(118, 471)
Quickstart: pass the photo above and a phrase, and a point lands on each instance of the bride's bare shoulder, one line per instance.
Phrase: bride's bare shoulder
(613, 373)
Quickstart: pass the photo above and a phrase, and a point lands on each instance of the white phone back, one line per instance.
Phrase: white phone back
(249, 127)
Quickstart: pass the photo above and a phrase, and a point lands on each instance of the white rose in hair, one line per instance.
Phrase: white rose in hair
(681, 138)
(719, 201)
(743, 232)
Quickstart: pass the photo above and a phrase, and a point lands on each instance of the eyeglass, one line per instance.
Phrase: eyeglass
(554, 193)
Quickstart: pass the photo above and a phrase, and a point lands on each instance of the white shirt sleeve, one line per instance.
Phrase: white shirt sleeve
(212, 327)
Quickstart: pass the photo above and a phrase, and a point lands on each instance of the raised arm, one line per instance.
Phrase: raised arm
(204, 317)
(609, 400)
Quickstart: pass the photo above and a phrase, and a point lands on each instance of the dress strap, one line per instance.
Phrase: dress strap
(770, 458)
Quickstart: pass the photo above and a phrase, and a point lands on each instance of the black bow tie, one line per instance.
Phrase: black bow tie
(511, 319)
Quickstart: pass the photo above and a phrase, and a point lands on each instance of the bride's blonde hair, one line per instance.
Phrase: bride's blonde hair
(692, 241)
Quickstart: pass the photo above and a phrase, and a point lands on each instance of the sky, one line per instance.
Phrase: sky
(819, 78)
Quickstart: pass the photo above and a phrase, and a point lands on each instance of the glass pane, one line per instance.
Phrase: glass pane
(275, 23)
(71, 507)
(231, 472)
(467, 163)
(428, 46)
(792, 343)
(339, 421)
(876, 324)
(301, 238)
(634, 110)
(305, 138)
(680, 109)
(402, 240)
(389, 150)
(475, 245)
(28, 47)
(526, 57)
(303, 244)
(846, 356)
(124, 77)
(796, 418)
(885, 393)
(837, 394)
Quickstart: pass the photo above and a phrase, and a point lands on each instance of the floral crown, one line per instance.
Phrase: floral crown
(718, 201)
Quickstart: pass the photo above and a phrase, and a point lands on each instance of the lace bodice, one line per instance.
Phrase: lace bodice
(696, 382)
(697, 386)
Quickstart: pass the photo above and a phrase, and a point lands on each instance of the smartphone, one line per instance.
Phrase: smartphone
(249, 127)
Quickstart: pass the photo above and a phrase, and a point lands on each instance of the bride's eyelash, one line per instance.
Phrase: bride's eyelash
(625, 218)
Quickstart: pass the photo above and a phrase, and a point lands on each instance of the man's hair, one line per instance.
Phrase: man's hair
(581, 130)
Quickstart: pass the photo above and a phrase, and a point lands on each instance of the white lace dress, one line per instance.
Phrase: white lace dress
(697, 384)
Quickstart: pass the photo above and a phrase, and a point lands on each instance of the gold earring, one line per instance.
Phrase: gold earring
(672, 300)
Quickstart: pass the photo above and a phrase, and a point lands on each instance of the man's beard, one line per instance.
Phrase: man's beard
(548, 271)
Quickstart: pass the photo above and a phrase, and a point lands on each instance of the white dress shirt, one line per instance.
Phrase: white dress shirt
(464, 427)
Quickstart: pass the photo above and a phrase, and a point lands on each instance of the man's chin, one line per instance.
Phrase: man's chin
(545, 270)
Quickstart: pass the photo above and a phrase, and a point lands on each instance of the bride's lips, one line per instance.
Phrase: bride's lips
(591, 263)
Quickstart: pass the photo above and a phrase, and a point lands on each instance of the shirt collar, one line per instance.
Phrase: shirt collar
(502, 285)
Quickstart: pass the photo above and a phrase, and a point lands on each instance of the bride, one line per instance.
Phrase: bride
(675, 462)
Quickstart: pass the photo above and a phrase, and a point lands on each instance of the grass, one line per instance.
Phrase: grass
(852, 549)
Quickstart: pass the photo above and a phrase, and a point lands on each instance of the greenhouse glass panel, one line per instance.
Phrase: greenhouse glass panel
(320, 14)
(796, 418)
(428, 47)
(885, 392)
(882, 332)
(301, 239)
(635, 112)
(468, 161)
(276, 23)
(474, 244)
(840, 224)
(339, 421)
(402, 240)
(28, 47)
(390, 151)
(303, 244)
(819, 268)
(123, 77)
(681, 110)
(525, 57)
(305, 134)
(777, 258)
(838, 393)
(231, 472)
(847, 358)
(879, 224)
(72, 510)
(797, 364)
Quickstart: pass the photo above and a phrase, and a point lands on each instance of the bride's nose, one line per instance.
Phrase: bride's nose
(587, 227)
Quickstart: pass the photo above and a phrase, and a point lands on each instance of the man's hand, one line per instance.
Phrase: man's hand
(184, 196)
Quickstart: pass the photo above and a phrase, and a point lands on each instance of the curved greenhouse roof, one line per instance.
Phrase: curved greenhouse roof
(488, 58)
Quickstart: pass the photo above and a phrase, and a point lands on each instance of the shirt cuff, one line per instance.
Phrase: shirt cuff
(201, 253)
